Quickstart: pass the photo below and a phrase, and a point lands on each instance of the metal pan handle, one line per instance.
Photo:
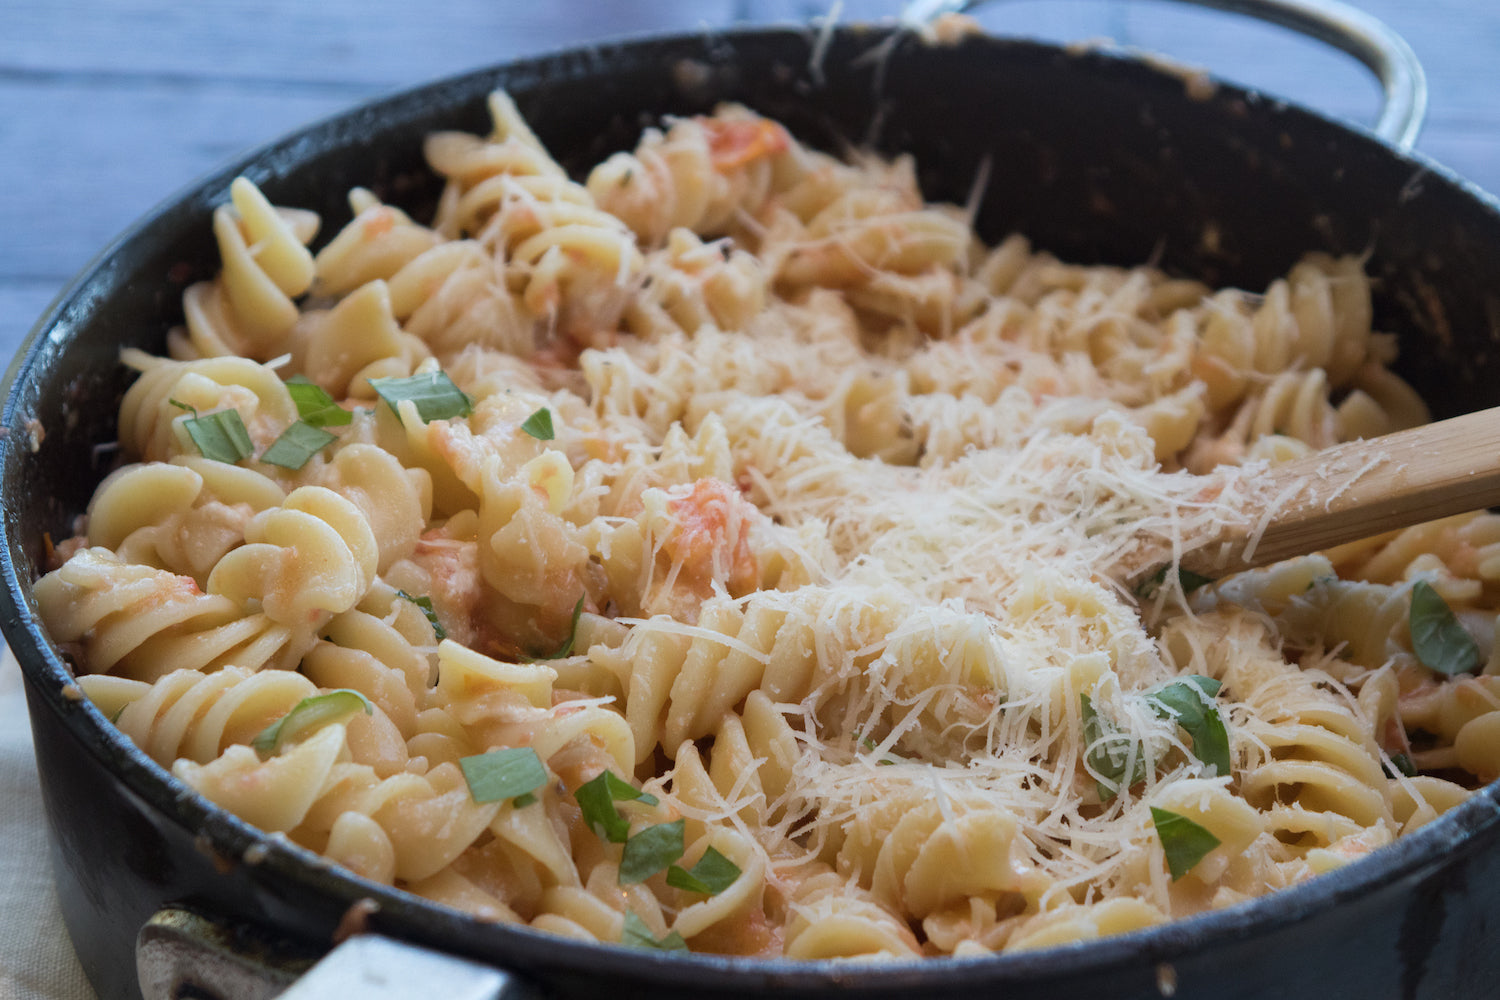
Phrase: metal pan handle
(189, 953)
(1385, 53)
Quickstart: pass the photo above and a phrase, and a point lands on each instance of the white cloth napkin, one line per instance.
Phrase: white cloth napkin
(36, 956)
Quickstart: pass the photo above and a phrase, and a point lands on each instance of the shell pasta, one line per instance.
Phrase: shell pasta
(725, 551)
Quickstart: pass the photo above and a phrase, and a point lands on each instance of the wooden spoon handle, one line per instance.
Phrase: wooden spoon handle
(1363, 488)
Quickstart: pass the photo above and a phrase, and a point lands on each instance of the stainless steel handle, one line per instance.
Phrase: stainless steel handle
(182, 953)
(1386, 54)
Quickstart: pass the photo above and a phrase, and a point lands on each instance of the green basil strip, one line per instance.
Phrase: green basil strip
(539, 425)
(886, 759)
(314, 405)
(503, 774)
(637, 935)
(1189, 702)
(298, 443)
(566, 649)
(1184, 842)
(650, 851)
(1402, 765)
(1439, 641)
(711, 875)
(1186, 579)
(1110, 758)
(220, 436)
(425, 603)
(597, 799)
(523, 800)
(435, 395)
(309, 715)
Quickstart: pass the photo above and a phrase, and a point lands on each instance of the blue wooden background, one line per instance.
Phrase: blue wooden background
(107, 106)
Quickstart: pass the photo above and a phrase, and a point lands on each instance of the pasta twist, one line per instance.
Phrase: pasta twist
(455, 295)
(305, 561)
(376, 244)
(168, 392)
(144, 623)
(248, 310)
(191, 715)
(1317, 317)
(831, 918)
(181, 516)
(357, 340)
(703, 175)
(688, 285)
(573, 262)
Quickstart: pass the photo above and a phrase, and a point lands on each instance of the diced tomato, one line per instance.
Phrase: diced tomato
(735, 144)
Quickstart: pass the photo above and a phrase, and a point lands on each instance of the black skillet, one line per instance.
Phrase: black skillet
(1095, 156)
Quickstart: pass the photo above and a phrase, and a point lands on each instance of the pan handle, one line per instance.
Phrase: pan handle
(187, 953)
(1385, 53)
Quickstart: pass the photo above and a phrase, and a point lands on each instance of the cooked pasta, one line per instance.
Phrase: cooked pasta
(726, 552)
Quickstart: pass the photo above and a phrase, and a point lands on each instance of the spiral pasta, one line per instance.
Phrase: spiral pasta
(724, 553)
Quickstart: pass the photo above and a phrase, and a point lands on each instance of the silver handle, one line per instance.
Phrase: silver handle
(181, 952)
(1386, 54)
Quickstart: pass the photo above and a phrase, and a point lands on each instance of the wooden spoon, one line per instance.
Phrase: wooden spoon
(1359, 489)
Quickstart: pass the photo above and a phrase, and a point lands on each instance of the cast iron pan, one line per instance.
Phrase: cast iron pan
(1099, 159)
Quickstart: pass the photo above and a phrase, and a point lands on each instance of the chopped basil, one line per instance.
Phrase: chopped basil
(308, 715)
(183, 406)
(1184, 842)
(298, 443)
(523, 800)
(425, 603)
(1189, 702)
(886, 759)
(1111, 753)
(711, 875)
(220, 436)
(597, 799)
(434, 394)
(539, 425)
(637, 935)
(650, 851)
(503, 774)
(1402, 765)
(1439, 641)
(566, 649)
(1186, 579)
(314, 405)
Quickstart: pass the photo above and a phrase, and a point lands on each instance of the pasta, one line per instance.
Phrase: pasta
(725, 553)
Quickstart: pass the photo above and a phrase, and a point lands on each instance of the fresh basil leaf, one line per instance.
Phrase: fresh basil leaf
(314, 405)
(711, 875)
(308, 715)
(425, 603)
(1184, 842)
(503, 774)
(637, 935)
(650, 851)
(434, 394)
(597, 799)
(220, 436)
(1402, 765)
(1111, 752)
(539, 425)
(1439, 641)
(1189, 702)
(1186, 579)
(298, 443)
(886, 759)
(566, 649)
